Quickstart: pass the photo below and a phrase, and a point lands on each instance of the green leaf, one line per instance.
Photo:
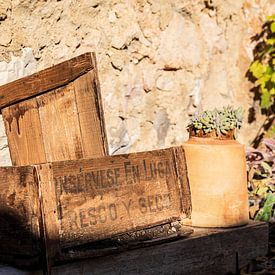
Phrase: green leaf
(257, 69)
(266, 100)
(273, 77)
(272, 27)
(262, 80)
(270, 18)
(270, 41)
(265, 213)
(262, 191)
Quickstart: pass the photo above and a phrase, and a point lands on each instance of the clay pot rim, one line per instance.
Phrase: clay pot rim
(230, 135)
(211, 141)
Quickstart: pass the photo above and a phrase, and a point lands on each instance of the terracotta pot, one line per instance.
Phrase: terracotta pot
(218, 182)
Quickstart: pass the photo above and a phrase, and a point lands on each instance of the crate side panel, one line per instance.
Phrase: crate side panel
(102, 197)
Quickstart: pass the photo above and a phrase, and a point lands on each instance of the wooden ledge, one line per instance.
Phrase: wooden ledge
(46, 80)
(206, 251)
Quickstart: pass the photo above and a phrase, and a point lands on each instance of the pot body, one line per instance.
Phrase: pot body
(218, 182)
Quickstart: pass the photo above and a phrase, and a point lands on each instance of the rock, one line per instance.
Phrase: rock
(166, 14)
(119, 138)
(92, 39)
(123, 37)
(6, 36)
(112, 17)
(210, 29)
(149, 72)
(5, 6)
(4, 149)
(117, 59)
(161, 124)
(165, 82)
(179, 46)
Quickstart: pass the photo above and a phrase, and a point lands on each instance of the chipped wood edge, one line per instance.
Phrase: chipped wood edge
(184, 188)
(99, 106)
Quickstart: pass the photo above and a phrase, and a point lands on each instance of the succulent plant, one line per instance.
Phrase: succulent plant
(219, 121)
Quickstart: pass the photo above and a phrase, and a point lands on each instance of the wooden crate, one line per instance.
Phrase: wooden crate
(90, 200)
(19, 216)
(72, 203)
(55, 114)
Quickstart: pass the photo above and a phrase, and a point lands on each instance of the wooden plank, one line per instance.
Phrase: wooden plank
(206, 252)
(24, 133)
(19, 214)
(46, 80)
(60, 124)
(99, 198)
(49, 221)
(184, 191)
(90, 112)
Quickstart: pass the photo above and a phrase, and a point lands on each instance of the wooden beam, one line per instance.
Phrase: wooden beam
(46, 80)
(206, 251)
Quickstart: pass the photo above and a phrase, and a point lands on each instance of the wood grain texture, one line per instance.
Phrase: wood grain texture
(46, 80)
(184, 190)
(24, 133)
(65, 123)
(47, 197)
(103, 197)
(205, 252)
(19, 213)
(60, 125)
(90, 114)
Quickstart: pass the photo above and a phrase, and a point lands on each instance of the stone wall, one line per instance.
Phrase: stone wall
(159, 60)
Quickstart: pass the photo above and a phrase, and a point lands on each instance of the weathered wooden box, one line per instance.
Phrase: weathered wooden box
(55, 114)
(66, 204)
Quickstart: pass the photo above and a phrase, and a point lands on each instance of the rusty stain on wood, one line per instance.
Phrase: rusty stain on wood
(64, 123)
(24, 131)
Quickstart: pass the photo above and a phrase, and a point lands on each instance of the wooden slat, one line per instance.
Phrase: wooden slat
(24, 133)
(99, 198)
(60, 124)
(184, 191)
(46, 80)
(19, 213)
(90, 117)
(205, 252)
(49, 221)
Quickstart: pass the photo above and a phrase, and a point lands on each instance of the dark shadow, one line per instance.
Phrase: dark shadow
(19, 247)
(269, 121)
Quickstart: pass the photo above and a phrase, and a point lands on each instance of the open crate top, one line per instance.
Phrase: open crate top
(55, 114)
